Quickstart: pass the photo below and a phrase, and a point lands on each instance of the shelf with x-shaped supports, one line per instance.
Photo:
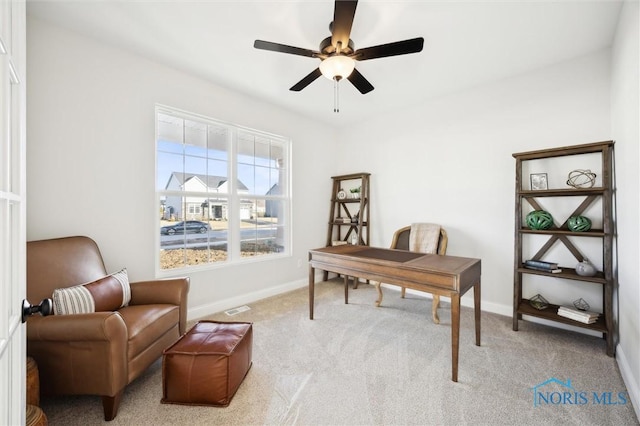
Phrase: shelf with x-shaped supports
(561, 233)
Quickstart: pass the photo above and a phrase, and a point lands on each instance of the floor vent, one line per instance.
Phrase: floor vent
(237, 310)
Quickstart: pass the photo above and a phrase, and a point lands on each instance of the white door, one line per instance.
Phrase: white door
(12, 211)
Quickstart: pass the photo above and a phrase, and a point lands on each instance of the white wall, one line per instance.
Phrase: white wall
(449, 161)
(91, 156)
(624, 120)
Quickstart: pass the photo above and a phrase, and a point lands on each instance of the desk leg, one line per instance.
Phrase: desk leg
(455, 335)
(346, 289)
(476, 308)
(311, 290)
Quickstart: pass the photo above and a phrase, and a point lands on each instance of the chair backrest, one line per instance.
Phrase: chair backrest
(61, 262)
(401, 240)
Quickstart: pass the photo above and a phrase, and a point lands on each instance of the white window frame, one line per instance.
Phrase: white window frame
(234, 199)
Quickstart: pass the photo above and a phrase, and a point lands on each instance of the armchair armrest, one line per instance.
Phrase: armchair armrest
(172, 291)
(97, 326)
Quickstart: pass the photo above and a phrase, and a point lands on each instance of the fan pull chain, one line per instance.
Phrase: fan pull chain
(336, 95)
(336, 80)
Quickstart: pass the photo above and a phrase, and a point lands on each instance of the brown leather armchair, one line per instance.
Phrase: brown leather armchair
(97, 353)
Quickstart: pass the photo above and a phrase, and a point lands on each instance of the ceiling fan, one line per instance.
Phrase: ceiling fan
(338, 54)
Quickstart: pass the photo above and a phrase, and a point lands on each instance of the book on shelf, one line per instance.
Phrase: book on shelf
(577, 318)
(585, 317)
(536, 268)
(574, 311)
(541, 264)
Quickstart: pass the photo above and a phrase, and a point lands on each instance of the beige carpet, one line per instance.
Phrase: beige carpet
(357, 364)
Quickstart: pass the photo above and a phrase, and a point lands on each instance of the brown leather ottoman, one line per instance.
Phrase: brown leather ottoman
(207, 365)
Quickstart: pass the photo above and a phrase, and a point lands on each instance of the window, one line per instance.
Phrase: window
(222, 190)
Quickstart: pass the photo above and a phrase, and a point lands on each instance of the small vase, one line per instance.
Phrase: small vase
(354, 239)
(585, 269)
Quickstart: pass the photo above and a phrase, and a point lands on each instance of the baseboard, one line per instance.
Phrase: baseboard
(222, 305)
(633, 387)
(504, 310)
(467, 300)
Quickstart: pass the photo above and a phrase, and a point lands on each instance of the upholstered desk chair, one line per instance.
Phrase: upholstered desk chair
(401, 241)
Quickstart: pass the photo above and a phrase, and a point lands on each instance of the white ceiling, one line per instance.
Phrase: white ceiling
(467, 43)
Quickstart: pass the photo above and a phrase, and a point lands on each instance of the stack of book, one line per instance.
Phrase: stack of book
(541, 265)
(585, 317)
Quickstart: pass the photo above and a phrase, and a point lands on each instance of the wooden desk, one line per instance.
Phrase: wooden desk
(449, 276)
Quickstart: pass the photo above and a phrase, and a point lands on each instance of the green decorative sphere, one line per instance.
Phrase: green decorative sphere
(539, 220)
(579, 223)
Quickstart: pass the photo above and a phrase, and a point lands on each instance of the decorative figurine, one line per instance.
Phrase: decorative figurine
(586, 269)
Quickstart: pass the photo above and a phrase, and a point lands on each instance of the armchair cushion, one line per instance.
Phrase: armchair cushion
(145, 323)
(105, 294)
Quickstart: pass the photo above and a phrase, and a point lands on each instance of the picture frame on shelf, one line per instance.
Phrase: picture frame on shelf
(538, 181)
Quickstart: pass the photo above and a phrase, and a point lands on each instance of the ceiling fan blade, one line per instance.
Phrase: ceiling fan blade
(361, 83)
(283, 48)
(404, 47)
(310, 78)
(342, 21)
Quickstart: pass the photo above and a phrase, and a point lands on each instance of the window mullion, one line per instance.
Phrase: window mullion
(234, 200)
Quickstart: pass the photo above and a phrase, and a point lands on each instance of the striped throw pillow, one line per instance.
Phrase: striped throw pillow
(106, 294)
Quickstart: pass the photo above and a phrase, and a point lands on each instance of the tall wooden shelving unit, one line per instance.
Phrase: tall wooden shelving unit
(344, 208)
(606, 277)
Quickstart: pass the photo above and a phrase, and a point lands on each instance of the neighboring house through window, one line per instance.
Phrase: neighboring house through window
(223, 191)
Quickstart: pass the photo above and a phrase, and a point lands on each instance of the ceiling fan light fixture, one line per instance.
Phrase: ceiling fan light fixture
(338, 53)
(337, 67)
